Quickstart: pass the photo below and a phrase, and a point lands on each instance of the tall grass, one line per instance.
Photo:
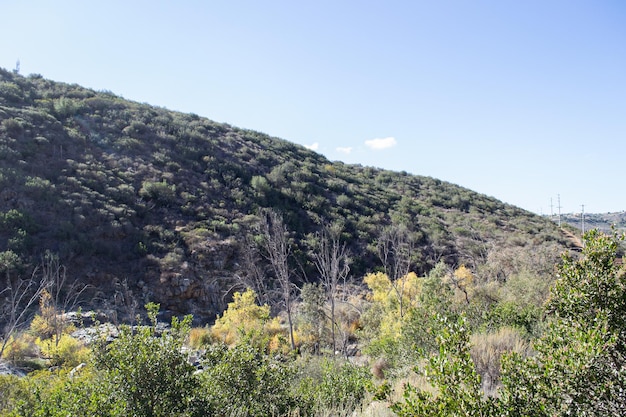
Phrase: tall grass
(487, 350)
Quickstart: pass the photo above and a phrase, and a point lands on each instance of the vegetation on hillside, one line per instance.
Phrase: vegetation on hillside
(573, 364)
(148, 205)
(318, 288)
(601, 221)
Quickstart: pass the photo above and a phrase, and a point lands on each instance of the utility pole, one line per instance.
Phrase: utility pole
(558, 202)
(582, 220)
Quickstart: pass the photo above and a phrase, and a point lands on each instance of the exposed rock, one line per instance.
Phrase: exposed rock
(90, 335)
(7, 369)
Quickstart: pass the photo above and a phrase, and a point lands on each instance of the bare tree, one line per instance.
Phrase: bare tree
(396, 248)
(60, 295)
(333, 263)
(19, 296)
(254, 274)
(277, 251)
(125, 299)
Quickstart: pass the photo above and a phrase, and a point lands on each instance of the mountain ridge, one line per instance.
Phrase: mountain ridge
(160, 205)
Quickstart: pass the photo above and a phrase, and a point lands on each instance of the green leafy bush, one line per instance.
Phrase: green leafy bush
(578, 365)
(150, 374)
(453, 376)
(161, 192)
(329, 385)
(242, 380)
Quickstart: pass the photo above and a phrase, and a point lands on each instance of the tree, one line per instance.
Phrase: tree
(395, 250)
(385, 323)
(245, 319)
(277, 251)
(19, 296)
(580, 363)
(312, 315)
(333, 263)
(59, 297)
(254, 274)
(462, 279)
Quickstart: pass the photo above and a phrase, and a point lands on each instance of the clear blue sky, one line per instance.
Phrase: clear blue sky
(520, 100)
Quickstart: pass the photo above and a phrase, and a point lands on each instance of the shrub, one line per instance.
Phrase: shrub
(65, 107)
(58, 394)
(452, 374)
(64, 350)
(245, 320)
(242, 380)
(14, 220)
(160, 192)
(579, 365)
(40, 188)
(11, 393)
(335, 385)
(19, 347)
(199, 337)
(149, 374)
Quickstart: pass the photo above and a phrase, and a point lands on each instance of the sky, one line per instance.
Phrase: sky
(524, 101)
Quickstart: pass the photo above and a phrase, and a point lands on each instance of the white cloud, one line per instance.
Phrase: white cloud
(313, 147)
(381, 143)
(344, 149)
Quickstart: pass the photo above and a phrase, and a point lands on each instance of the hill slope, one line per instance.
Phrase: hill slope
(600, 221)
(123, 191)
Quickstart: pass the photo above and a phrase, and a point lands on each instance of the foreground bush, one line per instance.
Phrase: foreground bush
(242, 380)
(333, 386)
(145, 373)
(150, 374)
(579, 362)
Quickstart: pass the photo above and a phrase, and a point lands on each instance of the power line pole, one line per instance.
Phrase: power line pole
(582, 219)
(558, 202)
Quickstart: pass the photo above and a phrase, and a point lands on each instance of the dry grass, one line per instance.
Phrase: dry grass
(487, 350)
(199, 337)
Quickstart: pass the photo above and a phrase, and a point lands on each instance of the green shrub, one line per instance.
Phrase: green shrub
(150, 374)
(244, 381)
(63, 351)
(332, 385)
(579, 365)
(160, 192)
(65, 107)
(452, 374)
(59, 394)
(14, 220)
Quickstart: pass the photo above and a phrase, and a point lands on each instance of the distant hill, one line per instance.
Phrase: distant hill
(601, 221)
(139, 199)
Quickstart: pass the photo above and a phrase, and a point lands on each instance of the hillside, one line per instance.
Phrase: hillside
(136, 198)
(600, 221)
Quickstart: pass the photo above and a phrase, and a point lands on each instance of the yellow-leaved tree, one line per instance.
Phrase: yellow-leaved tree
(463, 280)
(391, 300)
(245, 319)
